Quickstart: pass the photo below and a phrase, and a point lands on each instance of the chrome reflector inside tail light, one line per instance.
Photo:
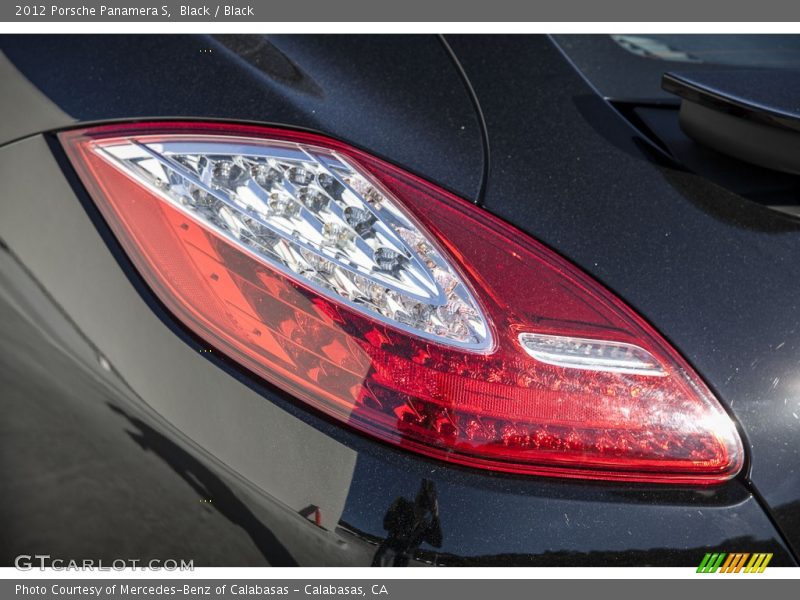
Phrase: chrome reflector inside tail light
(309, 213)
(398, 308)
(590, 354)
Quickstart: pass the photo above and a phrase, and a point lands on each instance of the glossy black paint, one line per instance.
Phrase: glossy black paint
(750, 115)
(400, 96)
(763, 96)
(135, 448)
(635, 74)
(768, 187)
(715, 273)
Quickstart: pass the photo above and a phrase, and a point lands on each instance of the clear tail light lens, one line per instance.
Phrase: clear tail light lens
(398, 308)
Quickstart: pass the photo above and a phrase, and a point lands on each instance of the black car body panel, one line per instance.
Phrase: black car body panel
(124, 439)
(713, 272)
(400, 96)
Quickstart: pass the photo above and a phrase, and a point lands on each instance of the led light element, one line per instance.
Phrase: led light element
(310, 213)
(590, 355)
(397, 308)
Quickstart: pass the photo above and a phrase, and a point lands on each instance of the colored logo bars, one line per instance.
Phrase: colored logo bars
(734, 563)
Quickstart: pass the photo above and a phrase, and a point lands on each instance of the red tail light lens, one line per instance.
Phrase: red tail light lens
(398, 308)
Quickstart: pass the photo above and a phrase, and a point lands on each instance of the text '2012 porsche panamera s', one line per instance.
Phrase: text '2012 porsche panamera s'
(397, 300)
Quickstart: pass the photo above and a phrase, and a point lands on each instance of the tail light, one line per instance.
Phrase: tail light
(398, 308)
